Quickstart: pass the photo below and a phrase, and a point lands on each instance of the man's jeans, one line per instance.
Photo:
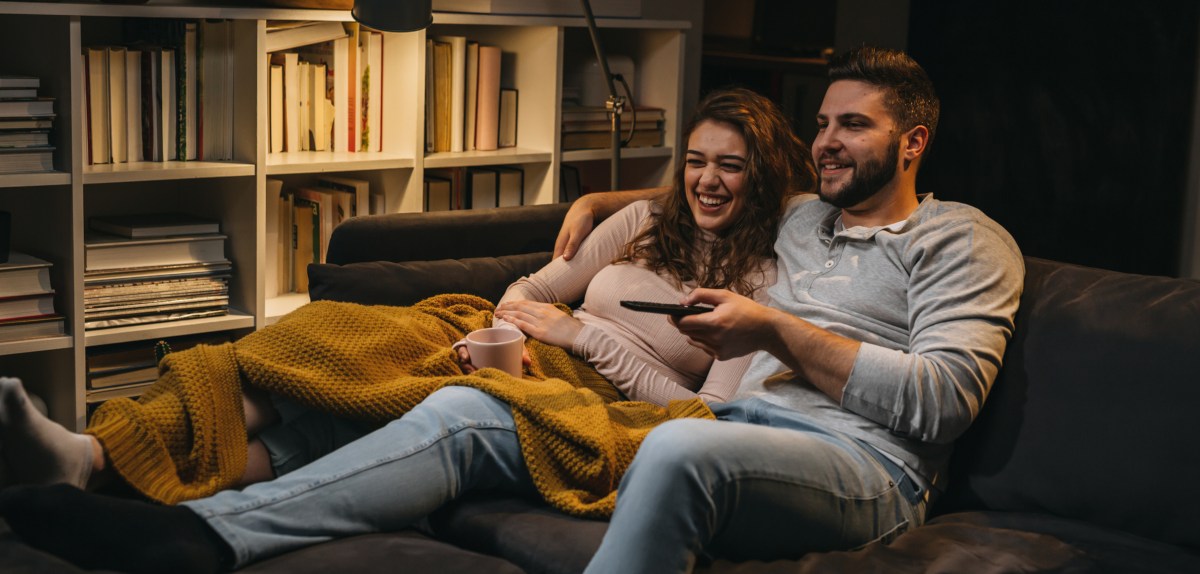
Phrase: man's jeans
(457, 440)
(762, 483)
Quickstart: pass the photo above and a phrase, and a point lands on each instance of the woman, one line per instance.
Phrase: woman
(715, 229)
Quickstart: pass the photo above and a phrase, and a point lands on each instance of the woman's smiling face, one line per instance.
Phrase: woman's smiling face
(714, 174)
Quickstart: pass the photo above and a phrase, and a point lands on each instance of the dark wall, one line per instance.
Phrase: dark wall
(1067, 122)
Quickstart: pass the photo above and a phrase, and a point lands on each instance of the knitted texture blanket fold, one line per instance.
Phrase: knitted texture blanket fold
(185, 438)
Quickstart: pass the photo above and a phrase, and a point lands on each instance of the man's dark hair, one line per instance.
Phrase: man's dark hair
(908, 93)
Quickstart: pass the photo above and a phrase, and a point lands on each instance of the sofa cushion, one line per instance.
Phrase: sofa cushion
(406, 551)
(389, 283)
(526, 532)
(1094, 415)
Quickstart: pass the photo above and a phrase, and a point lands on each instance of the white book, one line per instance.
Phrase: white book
(287, 36)
(133, 105)
(510, 186)
(458, 88)
(318, 105)
(107, 252)
(303, 107)
(507, 134)
(472, 95)
(481, 187)
(291, 102)
(360, 189)
(98, 105)
(276, 104)
(24, 274)
(272, 231)
(119, 140)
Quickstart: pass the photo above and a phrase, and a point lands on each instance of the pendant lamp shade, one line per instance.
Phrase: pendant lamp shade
(394, 15)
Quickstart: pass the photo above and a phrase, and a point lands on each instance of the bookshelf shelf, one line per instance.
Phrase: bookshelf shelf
(234, 320)
(318, 162)
(481, 158)
(35, 345)
(540, 60)
(163, 171)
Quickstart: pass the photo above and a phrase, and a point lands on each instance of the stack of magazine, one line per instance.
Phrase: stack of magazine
(152, 268)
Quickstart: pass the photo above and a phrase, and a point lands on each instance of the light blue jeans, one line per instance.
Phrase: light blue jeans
(761, 483)
(457, 440)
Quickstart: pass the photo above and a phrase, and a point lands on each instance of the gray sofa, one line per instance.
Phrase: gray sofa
(1081, 460)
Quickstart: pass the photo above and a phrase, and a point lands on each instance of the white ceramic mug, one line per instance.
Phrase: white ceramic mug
(496, 347)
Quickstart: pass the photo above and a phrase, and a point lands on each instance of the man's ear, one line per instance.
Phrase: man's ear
(915, 142)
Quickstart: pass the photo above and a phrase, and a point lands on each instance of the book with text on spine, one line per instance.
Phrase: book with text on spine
(154, 224)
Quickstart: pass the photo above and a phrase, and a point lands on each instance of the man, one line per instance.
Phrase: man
(886, 330)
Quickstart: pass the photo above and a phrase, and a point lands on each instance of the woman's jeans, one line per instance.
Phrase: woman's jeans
(762, 483)
(457, 440)
(736, 489)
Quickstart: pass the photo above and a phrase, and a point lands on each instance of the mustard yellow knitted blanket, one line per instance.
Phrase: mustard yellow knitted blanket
(185, 438)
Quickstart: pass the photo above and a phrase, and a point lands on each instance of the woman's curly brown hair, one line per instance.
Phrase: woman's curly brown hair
(778, 166)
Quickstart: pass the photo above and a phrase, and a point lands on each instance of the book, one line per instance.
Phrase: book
(457, 88)
(438, 196)
(320, 109)
(291, 100)
(154, 224)
(215, 105)
(303, 105)
(487, 116)
(372, 84)
(606, 9)
(151, 120)
(286, 262)
(276, 105)
(110, 252)
(273, 238)
(359, 190)
(118, 276)
(170, 105)
(600, 114)
(605, 125)
(98, 105)
(24, 274)
(306, 221)
(21, 329)
(118, 139)
(430, 99)
(334, 208)
(569, 187)
(507, 131)
(133, 105)
(189, 58)
(18, 93)
(469, 107)
(353, 87)
(601, 140)
(27, 123)
(26, 160)
(335, 57)
(18, 81)
(24, 138)
(510, 186)
(481, 188)
(162, 316)
(442, 78)
(27, 306)
(297, 34)
(25, 107)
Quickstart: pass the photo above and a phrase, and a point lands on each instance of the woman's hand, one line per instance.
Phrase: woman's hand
(542, 321)
(464, 359)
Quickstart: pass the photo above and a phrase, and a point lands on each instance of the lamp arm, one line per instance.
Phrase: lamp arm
(615, 104)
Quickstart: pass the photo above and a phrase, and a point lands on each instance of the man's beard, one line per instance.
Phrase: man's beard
(869, 178)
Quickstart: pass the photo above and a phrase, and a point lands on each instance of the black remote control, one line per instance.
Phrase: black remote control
(672, 309)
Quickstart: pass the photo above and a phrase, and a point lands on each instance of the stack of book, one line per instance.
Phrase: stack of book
(153, 268)
(588, 127)
(25, 122)
(300, 223)
(164, 97)
(326, 87)
(128, 369)
(466, 109)
(26, 299)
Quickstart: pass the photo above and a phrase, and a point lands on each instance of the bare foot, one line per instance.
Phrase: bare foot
(35, 449)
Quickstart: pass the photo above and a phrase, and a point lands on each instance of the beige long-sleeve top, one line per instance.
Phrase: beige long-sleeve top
(642, 354)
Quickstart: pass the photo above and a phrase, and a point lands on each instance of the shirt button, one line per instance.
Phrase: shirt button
(829, 264)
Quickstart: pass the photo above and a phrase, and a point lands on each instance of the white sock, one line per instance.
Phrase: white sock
(37, 450)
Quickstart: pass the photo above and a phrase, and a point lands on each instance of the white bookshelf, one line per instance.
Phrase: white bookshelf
(50, 210)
